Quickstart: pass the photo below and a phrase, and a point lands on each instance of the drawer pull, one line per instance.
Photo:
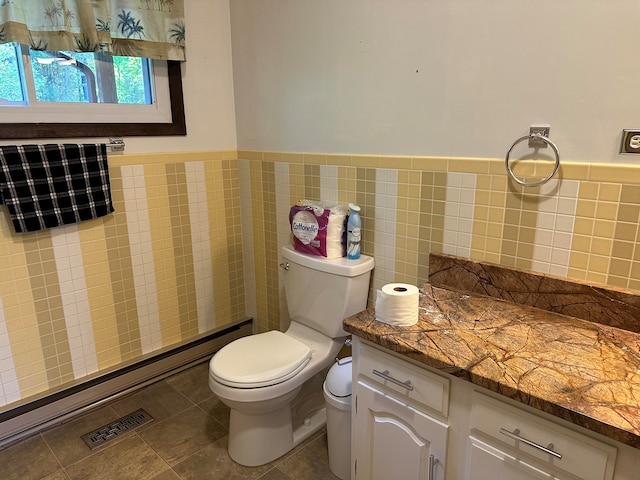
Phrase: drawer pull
(515, 435)
(386, 376)
(432, 464)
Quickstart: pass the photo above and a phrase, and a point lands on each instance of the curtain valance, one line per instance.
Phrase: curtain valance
(134, 28)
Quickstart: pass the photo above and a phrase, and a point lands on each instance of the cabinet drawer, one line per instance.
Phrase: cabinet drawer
(582, 456)
(420, 386)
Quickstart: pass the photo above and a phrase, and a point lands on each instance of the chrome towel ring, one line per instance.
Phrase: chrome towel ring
(536, 137)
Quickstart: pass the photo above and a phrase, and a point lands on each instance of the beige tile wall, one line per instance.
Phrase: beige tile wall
(583, 224)
(164, 268)
(173, 260)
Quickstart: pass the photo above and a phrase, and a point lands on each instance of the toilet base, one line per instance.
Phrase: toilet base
(258, 439)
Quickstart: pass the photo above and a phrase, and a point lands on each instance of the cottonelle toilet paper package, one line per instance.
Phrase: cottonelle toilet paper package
(398, 304)
(319, 228)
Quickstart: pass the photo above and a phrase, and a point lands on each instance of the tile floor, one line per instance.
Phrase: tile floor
(186, 440)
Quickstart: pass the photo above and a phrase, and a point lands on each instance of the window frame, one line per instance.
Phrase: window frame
(177, 126)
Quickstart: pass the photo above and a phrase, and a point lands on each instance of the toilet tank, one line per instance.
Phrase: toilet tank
(321, 293)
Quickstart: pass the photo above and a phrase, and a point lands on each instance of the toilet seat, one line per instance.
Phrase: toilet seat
(260, 360)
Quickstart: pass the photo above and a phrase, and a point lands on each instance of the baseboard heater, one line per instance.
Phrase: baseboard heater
(34, 415)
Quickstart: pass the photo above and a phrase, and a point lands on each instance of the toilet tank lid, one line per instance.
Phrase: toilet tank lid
(337, 266)
(259, 360)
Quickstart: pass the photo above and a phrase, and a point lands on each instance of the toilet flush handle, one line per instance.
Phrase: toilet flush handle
(285, 266)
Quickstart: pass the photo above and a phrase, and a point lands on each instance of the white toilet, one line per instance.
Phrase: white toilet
(272, 381)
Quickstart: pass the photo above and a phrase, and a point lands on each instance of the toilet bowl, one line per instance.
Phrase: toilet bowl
(272, 382)
(261, 424)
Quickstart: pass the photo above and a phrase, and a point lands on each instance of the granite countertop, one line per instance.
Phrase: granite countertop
(582, 371)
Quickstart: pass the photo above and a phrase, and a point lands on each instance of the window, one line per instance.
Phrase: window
(67, 94)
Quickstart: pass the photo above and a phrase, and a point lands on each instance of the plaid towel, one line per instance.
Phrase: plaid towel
(45, 186)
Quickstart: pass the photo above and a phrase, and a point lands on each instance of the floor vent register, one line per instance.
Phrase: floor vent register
(102, 435)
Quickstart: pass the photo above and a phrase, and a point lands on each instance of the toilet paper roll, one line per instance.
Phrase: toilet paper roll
(397, 304)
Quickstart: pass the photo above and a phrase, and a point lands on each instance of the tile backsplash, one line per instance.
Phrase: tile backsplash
(582, 224)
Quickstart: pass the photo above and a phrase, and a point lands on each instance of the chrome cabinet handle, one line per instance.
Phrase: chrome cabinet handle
(432, 464)
(515, 435)
(406, 384)
(285, 266)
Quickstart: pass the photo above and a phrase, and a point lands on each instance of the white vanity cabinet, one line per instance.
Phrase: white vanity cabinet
(412, 422)
(399, 419)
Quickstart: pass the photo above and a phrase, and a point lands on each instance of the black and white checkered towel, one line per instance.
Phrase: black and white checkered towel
(46, 186)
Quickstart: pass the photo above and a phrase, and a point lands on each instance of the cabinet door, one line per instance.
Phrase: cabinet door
(487, 462)
(393, 440)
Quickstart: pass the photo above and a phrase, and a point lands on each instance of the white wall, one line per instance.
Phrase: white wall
(460, 78)
(207, 82)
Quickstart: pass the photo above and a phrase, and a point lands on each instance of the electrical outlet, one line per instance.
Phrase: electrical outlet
(630, 141)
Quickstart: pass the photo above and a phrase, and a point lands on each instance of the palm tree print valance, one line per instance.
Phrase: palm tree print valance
(133, 28)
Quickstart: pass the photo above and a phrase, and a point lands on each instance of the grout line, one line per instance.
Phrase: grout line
(62, 467)
(169, 467)
(211, 416)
